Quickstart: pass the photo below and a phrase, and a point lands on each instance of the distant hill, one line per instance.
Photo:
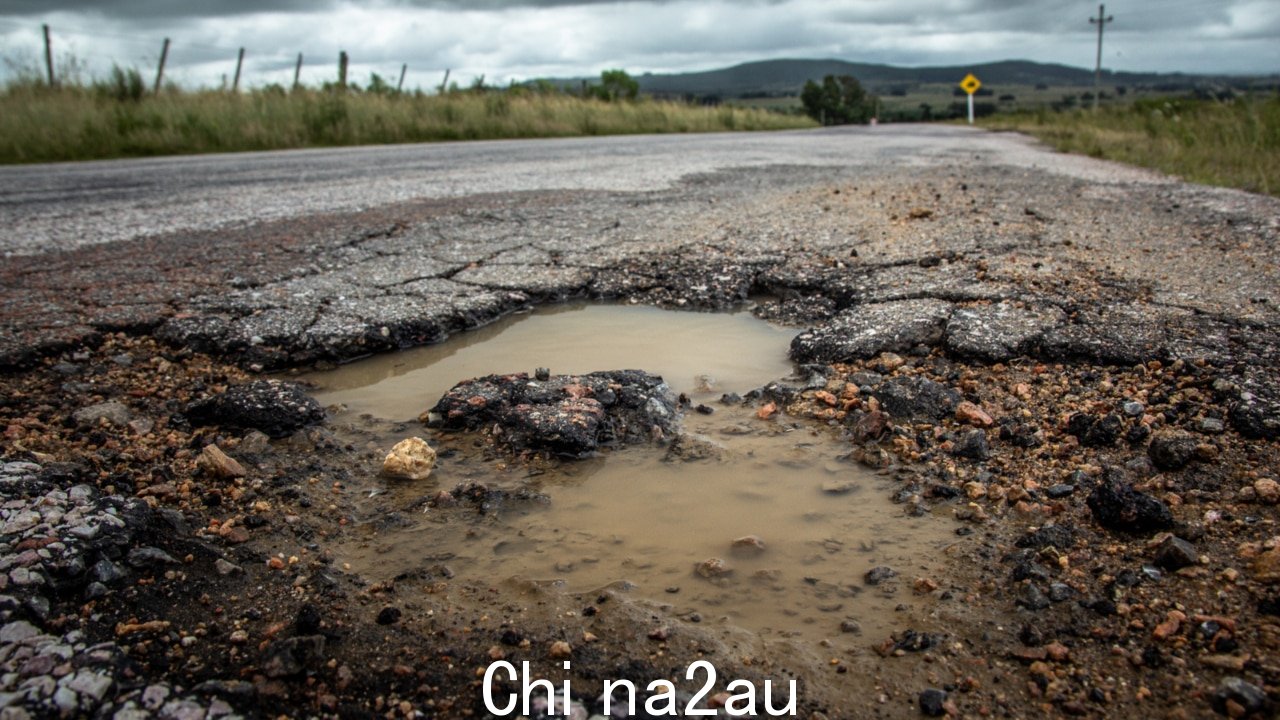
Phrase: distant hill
(786, 77)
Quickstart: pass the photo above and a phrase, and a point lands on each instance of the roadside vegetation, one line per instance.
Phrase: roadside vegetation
(1232, 142)
(120, 116)
(838, 101)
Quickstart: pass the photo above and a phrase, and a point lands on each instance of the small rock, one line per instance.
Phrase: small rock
(141, 557)
(560, 650)
(1174, 553)
(388, 616)
(307, 621)
(410, 459)
(1248, 696)
(1266, 567)
(870, 427)
(66, 701)
(218, 464)
(106, 572)
(254, 443)
(1057, 652)
(1133, 408)
(968, 412)
(154, 696)
(916, 399)
(1172, 449)
(114, 413)
(887, 362)
(1117, 506)
(1172, 623)
(292, 655)
(748, 545)
(1267, 491)
(972, 445)
(17, 631)
(932, 701)
(1060, 592)
(712, 568)
(1094, 431)
(767, 411)
(879, 574)
(543, 374)
(1033, 598)
(1211, 426)
(225, 567)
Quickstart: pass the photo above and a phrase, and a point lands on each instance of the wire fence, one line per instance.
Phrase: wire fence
(71, 55)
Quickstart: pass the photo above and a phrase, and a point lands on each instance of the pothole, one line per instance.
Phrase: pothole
(794, 524)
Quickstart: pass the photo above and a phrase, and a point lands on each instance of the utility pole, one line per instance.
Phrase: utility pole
(235, 84)
(1101, 21)
(48, 55)
(164, 55)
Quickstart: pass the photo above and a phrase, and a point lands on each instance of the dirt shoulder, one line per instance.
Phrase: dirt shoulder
(1080, 372)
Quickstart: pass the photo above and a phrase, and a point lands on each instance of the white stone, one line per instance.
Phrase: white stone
(410, 459)
(154, 696)
(16, 632)
(90, 683)
(21, 522)
(66, 700)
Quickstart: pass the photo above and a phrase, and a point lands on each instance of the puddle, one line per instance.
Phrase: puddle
(738, 351)
(634, 519)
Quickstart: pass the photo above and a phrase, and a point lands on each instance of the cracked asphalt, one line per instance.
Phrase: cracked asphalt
(293, 258)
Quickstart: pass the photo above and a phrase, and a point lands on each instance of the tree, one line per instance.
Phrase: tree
(838, 101)
(617, 85)
(378, 85)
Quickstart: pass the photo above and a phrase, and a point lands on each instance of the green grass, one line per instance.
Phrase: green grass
(1231, 143)
(81, 123)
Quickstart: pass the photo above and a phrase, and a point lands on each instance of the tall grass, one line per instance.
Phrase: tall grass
(110, 119)
(1232, 143)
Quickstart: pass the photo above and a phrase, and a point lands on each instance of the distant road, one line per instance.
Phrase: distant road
(67, 205)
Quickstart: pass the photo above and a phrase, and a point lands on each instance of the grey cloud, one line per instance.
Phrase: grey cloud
(151, 10)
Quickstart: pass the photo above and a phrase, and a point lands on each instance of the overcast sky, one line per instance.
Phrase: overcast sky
(520, 39)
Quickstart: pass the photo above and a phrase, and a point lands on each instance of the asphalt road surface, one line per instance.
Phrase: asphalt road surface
(63, 206)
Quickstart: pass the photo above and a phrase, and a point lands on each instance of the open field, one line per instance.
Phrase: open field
(908, 103)
(1233, 144)
(38, 125)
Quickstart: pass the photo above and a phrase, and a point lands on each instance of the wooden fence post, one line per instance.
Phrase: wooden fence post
(400, 84)
(297, 71)
(235, 84)
(48, 56)
(342, 71)
(164, 55)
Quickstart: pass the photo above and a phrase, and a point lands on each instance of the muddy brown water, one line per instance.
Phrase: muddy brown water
(633, 519)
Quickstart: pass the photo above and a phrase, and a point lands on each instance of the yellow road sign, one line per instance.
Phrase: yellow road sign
(970, 84)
